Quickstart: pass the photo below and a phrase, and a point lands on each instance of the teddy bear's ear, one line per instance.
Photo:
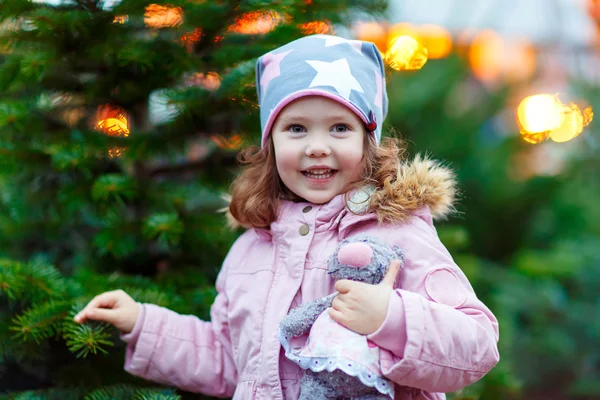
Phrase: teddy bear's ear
(399, 253)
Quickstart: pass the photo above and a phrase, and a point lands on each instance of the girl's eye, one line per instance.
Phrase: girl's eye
(296, 128)
(341, 128)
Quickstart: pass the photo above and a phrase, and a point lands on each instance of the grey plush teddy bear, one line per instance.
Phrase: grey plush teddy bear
(340, 363)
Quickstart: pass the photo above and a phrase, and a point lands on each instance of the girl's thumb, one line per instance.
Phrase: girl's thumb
(390, 276)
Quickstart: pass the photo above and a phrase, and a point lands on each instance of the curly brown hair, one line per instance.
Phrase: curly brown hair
(256, 192)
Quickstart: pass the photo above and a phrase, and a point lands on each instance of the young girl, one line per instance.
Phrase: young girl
(321, 175)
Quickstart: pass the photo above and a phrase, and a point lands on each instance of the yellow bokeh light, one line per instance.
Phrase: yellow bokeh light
(116, 151)
(540, 113)
(112, 121)
(113, 127)
(159, 16)
(405, 54)
(534, 138)
(120, 19)
(574, 122)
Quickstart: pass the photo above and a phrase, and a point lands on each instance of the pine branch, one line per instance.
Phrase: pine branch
(32, 282)
(86, 338)
(12, 283)
(41, 322)
(156, 394)
(122, 392)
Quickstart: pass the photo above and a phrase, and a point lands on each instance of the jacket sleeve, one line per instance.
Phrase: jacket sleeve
(182, 350)
(438, 335)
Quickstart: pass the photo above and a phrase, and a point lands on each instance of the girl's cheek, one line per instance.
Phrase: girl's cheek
(287, 162)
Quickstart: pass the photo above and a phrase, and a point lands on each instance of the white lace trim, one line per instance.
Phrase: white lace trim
(318, 364)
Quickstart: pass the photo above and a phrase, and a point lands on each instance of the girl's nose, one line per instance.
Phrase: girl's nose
(317, 148)
(355, 254)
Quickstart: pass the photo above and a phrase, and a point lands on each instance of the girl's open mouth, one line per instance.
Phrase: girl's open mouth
(319, 174)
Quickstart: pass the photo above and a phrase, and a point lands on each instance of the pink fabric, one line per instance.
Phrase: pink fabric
(355, 254)
(329, 339)
(442, 286)
(428, 345)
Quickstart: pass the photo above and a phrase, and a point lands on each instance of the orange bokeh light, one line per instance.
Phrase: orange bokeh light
(372, 32)
(210, 81)
(492, 59)
(189, 38)
(316, 27)
(159, 16)
(256, 23)
(234, 142)
(436, 40)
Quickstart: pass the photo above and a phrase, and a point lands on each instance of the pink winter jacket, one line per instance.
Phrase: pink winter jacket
(437, 337)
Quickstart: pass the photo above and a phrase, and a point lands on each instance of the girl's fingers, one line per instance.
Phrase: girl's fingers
(337, 316)
(102, 314)
(338, 304)
(105, 300)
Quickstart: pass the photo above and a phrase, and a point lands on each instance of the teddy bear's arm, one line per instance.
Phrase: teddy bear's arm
(301, 318)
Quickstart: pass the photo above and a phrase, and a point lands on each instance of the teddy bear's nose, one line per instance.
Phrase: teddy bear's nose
(355, 254)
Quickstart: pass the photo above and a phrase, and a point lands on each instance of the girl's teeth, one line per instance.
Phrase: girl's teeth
(319, 174)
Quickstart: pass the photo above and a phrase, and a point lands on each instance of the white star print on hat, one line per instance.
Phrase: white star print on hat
(335, 74)
(351, 72)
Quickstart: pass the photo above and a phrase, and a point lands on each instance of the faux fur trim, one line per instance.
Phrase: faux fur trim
(419, 183)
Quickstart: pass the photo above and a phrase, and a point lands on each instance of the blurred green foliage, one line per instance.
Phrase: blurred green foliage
(526, 233)
(75, 222)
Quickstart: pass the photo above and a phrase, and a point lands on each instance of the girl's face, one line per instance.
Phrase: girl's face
(318, 147)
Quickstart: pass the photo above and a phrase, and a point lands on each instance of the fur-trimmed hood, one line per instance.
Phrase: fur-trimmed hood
(419, 183)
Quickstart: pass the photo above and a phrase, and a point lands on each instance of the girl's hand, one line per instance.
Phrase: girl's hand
(116, 307)
(362, 307)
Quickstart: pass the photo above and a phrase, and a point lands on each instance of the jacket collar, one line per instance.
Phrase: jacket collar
(420, 187)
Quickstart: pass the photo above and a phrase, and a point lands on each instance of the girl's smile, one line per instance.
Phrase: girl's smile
(318, 147)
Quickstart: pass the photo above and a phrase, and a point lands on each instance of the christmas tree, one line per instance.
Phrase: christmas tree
(119, 126)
